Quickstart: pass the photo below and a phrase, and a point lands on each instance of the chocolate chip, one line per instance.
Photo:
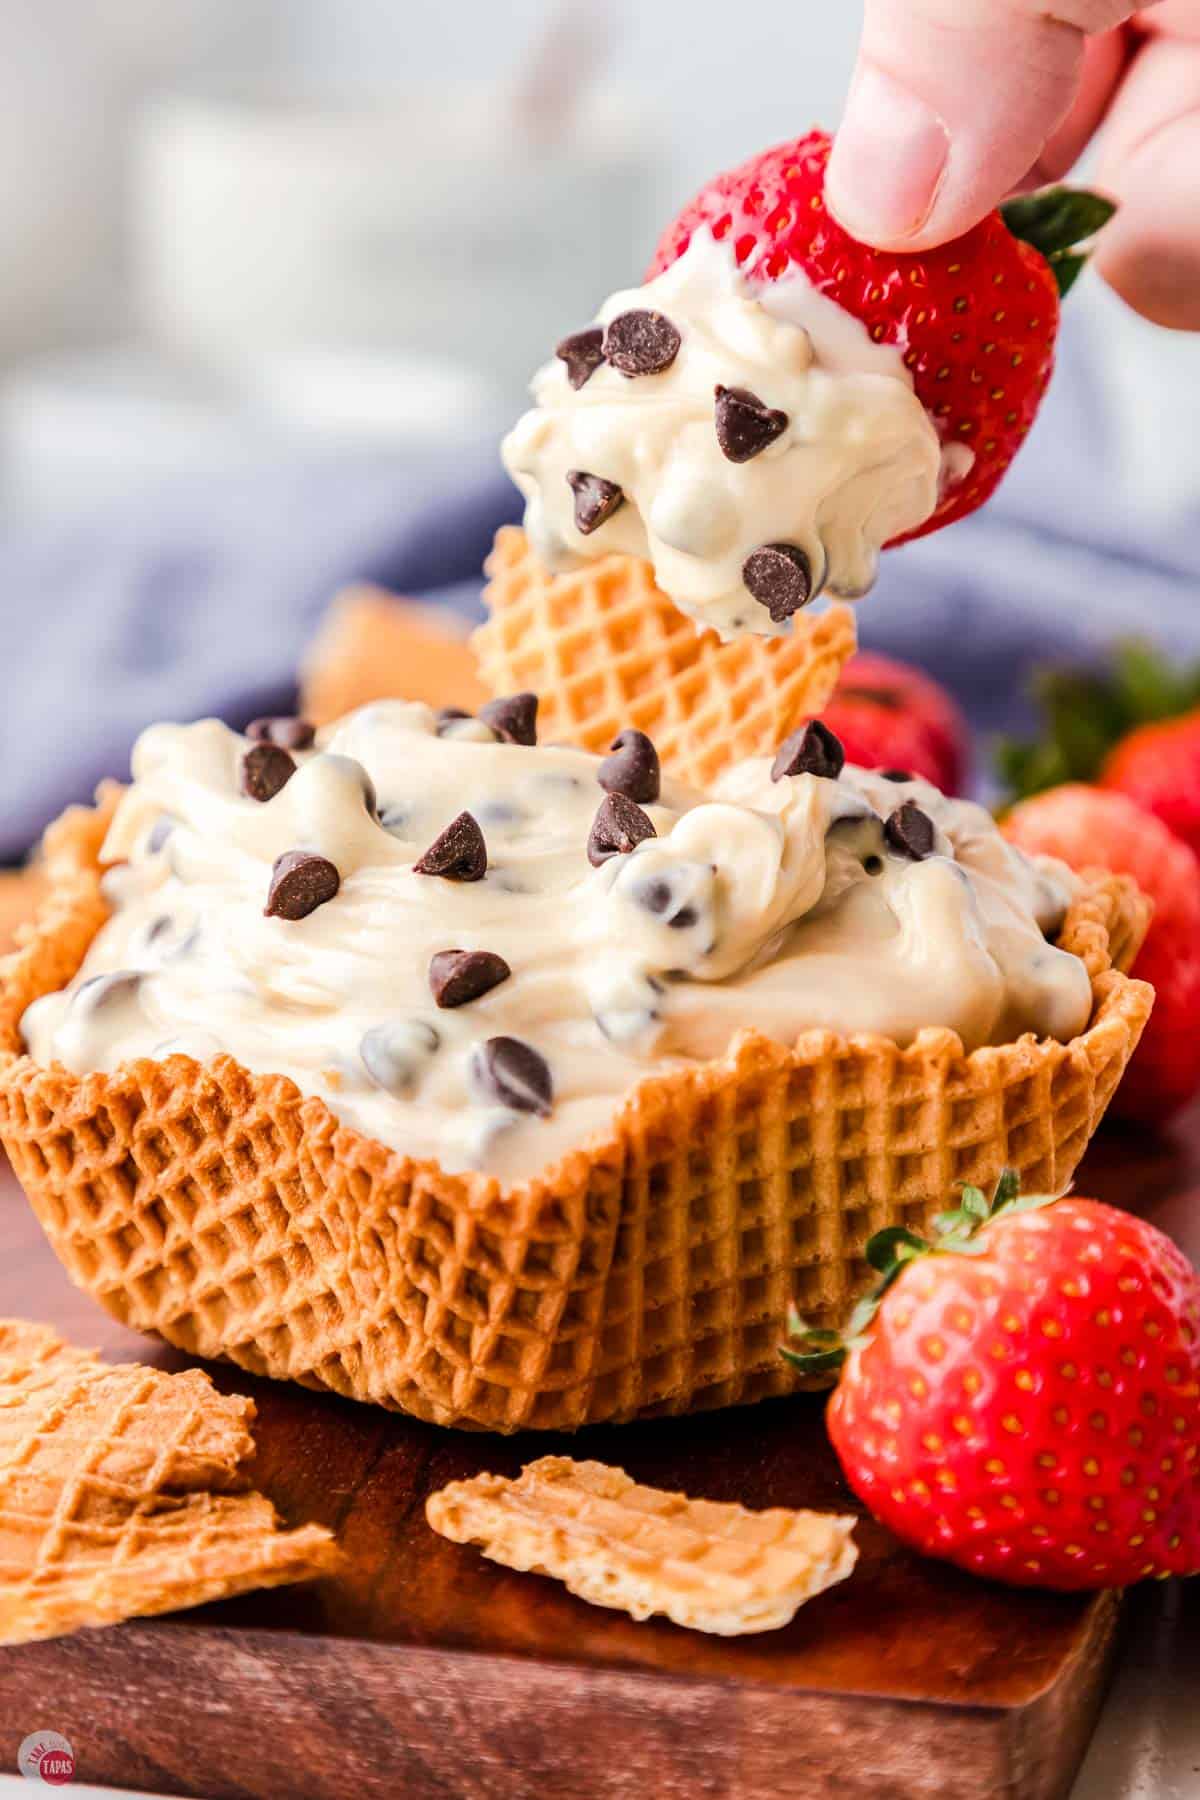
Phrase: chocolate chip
(583, 352)
(513, 718)
(102, 990)
(641, 343)
(780, 578)
(746, 424)
(619, 826)
(393, 1054)
(596, 500)
(289, 734)
(510, 1071)
(300, 882)
(446, 715)
(458, 853)
(160, 831)
(266, 769)
(457, 977)
(632, 769)
(911, 831)
(656, 897)
(813, 750)
(896, 775)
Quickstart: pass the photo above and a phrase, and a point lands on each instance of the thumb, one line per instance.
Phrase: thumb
(951, 105)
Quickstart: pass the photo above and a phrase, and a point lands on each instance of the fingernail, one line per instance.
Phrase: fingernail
(888, 160)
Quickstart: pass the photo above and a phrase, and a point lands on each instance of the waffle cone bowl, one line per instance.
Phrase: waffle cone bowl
(650, 1271)
(604, 648)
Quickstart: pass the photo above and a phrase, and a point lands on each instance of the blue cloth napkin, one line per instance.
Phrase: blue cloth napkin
(199, 598)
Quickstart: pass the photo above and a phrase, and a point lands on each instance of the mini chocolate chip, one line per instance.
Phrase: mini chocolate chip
(458, 853)
(457, 977)
(446, 715)
(813, 750)
(583, 352)
(910, 831)
(641, 343)
(266, 770)
(160, 831)
(101, 990)
(300, 882)
(656, 896)
(596, 500)
(619, 826)
(896, 775)
(746, 424)
(632, 769)
(394, 1054)
(780, 578)
(513, 718)
(511, 1071)
(684, 919)
(289, 734)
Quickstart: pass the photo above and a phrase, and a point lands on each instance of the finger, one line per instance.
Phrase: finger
(1105, 60)
(1150, 160)
(952, 103)
(1172, 18)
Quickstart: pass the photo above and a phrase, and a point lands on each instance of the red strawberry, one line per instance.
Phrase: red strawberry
(1092, 828)
(889, 715)
(1088, 827)
(976, 319)
(1159, 767)
(1023, 1397)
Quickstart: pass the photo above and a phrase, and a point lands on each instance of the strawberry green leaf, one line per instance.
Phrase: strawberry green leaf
(816, 1353)
(1086, 712)
(1056, 219)
(888, 1249)
(1007, 1189)
(1066, 270)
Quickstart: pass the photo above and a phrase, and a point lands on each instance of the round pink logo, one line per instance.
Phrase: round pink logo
(47, 1756)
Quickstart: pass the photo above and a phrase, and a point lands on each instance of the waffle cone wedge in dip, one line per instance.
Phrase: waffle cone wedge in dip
(649, 1271)
(604, 649)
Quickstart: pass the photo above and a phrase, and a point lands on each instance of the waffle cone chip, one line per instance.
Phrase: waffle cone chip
(373, 645)
(21, 893)
(650, 1270)
(122, 1493)
(708, 1565)
(604, 648)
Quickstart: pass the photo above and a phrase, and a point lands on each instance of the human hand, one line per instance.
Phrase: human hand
(957, 103)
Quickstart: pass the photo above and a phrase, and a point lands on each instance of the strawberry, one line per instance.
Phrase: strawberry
(1022, 1395)
(1158, 766)
(1092, 828)
(1088, 827)
(976, 319)
(889, 715)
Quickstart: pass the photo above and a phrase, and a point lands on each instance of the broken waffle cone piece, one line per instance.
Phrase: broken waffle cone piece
(21, 893)
(373, 645)
(123, 1492)
(707, 1565)
(604, 648)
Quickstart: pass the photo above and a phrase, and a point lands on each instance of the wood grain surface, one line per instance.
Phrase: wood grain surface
(424, 1670)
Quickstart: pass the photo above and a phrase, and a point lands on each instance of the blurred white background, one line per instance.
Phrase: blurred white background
(230, 226)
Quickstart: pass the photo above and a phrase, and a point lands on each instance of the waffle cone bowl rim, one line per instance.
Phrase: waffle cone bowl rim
(1108, 919)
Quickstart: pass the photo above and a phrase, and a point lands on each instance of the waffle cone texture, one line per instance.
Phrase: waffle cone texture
(604, 648)
(650, 1271)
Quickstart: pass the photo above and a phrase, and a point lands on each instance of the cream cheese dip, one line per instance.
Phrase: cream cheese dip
(485, 991)
(753, 443)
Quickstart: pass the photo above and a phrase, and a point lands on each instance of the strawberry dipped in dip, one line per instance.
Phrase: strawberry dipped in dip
(778, 402)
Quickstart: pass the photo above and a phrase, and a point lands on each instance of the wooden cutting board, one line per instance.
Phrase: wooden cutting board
(428, 1673)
